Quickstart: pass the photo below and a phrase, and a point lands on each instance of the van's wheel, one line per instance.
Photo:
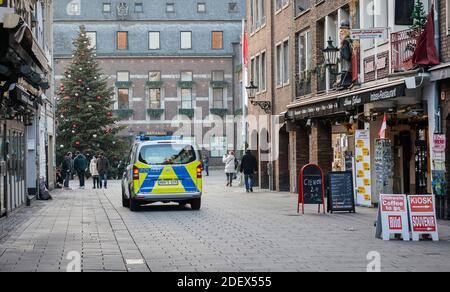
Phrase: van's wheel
(133, 205)
(125, 201)
(196, 204)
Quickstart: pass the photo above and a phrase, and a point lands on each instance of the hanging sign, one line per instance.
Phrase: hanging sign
(422, 214)
(311, 189)
(341, 193)
(363, 168)
(392, 217)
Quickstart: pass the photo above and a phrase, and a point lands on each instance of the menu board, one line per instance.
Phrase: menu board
(363, 168)
(341, 191)
(312, 185)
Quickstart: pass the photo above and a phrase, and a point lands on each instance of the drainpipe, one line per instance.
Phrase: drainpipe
(437, 31)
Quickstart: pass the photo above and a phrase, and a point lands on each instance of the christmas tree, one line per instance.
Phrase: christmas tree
(419, 17)
(84, 110)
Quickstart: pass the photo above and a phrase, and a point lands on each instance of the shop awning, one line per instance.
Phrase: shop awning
(341, 102)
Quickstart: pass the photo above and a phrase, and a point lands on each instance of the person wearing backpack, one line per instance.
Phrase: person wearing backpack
(80, 165)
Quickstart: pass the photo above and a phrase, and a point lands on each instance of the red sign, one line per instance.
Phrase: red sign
(422, 204)
(439, 143)
(393, 204)
(395, 222)
(423, 223)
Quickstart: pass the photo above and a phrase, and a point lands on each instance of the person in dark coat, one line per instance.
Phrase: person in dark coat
(66, 169)
(102, 168)
(248, 168)
(80, 165)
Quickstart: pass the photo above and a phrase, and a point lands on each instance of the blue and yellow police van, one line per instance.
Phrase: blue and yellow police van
(163, 169)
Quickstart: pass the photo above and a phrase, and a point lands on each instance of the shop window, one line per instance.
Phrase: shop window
(218, 146)
(122, 40)
(217, 40)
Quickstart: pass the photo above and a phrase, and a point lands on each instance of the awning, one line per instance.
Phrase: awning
(341, 102)
(440, 72)
(23, 97)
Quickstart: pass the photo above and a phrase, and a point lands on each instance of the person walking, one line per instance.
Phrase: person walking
(66, 169)
(80, 165)
(94, 172)
(248, 168)
(206, 164)
(230, 167)
(103, 167)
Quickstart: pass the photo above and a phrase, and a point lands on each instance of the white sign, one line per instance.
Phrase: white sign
(363, 168)
(372, 33)
(393, 217)
(422, 215)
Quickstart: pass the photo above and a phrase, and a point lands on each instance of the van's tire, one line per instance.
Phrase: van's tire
(134, 206)
(196, 204)
(125, 201)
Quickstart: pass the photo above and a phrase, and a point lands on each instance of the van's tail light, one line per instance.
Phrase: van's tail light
(199, 171)
(135, 173)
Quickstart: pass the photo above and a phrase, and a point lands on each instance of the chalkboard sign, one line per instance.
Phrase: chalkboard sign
(341, 192)
(311, 186)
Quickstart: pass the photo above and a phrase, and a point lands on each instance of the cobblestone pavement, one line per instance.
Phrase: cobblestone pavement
(233, 232)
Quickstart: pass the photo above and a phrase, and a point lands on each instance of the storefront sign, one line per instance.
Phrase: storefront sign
(373, 33)
(312, 190)
(341, 193)
(439, 143)
(363, 168)
(317, 110)
(24, 97)
(392, 217)
(422, 215)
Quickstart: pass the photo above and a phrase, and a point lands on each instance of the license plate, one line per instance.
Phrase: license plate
(168, 182)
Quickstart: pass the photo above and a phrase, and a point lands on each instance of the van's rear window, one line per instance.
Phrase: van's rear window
(167, 154)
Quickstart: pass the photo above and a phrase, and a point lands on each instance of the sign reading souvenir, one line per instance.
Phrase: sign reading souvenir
(341, 193)
(363, 167)
(422, 215)
(311, 189)
(392, 217)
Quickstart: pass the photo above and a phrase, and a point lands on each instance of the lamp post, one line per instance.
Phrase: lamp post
(266, 106)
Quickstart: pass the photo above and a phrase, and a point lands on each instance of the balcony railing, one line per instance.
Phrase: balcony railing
(403, 44)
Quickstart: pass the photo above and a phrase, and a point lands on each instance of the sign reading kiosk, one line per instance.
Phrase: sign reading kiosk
(392, 217)
(422, 214)
(311, 190)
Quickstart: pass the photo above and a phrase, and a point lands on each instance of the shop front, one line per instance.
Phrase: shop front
(342, 133)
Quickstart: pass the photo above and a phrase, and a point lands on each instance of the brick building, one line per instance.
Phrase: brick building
(167, 61)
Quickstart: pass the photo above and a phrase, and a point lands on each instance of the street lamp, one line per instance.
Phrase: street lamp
(266, 106)
(331, 55)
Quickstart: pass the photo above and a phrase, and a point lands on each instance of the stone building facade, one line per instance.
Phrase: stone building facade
(174, 65)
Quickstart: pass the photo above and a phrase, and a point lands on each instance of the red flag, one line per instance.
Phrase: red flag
(245, 48)
(382, 133)
(426, 52)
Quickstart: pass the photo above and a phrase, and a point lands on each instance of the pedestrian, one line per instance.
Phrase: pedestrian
(230, 167)
(103, 167)
(94, 172)
(248, 168)
(66, 169)
(206, 164)
(80, 166)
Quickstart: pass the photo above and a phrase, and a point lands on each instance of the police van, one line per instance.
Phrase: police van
(163, 169)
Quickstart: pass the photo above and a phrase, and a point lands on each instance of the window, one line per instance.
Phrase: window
(217, 40)
(263, 79)
(74, 8)
(282, 3)
(153, 40)
(92, 36)
(122, 40)
(138, 8)
(218, 146)
(170, 7)
(186, 76)
(186, 40)
(106, 8)
(233, 7)
(154, 76)
(279, 57)
(123, 98)
(186, 98)
(218, 94)
(123, 76)
(258, 13)
(304, 52)
(218, 76)
(257, 71)
(201, 7)
(155, 98)
(286, 62)
(163, 154)
(403, 11)
(302, 6)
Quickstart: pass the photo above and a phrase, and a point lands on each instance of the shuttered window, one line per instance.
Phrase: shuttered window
(122, 40)
(217, 40)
